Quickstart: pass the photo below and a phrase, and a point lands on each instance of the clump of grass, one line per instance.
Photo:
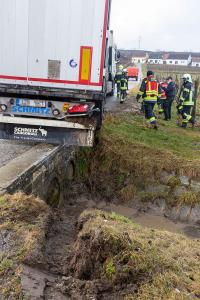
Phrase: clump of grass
(5, 265)
(151, 196)
(173, 181)
(148, 260)
(24, 219)
(117, 217)
(188, 198)
(110, 268)
(128, 192)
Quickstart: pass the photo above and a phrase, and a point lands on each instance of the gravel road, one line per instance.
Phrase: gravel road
(10, 150)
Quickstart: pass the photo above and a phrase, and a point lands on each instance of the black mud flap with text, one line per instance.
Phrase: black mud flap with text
(44, 134)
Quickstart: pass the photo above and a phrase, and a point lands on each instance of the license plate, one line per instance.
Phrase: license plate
(32, 103)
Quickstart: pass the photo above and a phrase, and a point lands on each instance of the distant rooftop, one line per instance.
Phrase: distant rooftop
(179, 56)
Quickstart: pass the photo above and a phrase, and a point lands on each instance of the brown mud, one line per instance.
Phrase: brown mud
(60, 276)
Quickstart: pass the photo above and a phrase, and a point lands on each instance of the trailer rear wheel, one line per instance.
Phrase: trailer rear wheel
(99, 116)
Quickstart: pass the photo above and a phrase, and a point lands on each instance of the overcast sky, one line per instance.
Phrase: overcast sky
(162, 25)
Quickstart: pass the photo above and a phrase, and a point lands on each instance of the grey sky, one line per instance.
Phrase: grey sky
(162, 25)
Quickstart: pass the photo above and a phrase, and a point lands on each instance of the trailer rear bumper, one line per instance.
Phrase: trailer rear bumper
(48, 131)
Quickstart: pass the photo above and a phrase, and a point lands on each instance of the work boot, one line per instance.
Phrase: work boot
(184, 125)
(154, 125)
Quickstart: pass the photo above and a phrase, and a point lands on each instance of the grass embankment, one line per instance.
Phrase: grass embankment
(22, 230)
(130, 157)
(136, 263)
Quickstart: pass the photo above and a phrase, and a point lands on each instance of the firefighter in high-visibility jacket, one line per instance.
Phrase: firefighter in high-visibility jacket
(118, 77)
(123, 86)
(161, 102)
(186, 101)
(150, 91)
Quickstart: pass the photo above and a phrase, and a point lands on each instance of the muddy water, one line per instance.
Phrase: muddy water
(153, 221)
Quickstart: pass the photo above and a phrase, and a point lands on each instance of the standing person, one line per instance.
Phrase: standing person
(170, 92)
(162, 99)
(186, 101)
(123, 86)
(118, 77)
(150, 91)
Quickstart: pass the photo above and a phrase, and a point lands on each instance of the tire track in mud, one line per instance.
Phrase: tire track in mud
(45, 281)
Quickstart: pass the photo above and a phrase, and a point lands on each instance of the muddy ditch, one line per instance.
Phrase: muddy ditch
(88, 247)
(79, 252)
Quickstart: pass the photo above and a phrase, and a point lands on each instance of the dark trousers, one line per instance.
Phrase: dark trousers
(167, 106)
(149, 112)
(118, 87)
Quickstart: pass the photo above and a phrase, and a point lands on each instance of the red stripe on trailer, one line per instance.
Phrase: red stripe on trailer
(13, 77)
(17, 78)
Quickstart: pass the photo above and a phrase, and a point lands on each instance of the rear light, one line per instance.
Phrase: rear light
(3, 107)
(56, 112)
(78, 109)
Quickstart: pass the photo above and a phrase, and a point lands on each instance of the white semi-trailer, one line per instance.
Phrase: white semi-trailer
(57, 61)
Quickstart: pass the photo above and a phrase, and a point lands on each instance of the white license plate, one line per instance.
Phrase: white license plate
(32, 103)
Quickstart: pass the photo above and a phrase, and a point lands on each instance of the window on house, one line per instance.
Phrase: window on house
(197, 65)
(156, 61)
(170, 61)
(176, 62)
(151, 60)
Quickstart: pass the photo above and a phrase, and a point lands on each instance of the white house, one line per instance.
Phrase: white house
(179, 59)
(195, 60)
(155, 59)
(140, 57)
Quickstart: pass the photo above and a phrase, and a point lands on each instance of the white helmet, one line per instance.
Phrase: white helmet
(121, 68)
(125, 70)
(187, 77)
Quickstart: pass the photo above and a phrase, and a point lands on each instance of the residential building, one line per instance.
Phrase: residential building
(155, 58)
(195, 60)
(140, 57)
(179, 59)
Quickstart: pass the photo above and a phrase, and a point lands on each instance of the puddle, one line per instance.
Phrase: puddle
(155, 221)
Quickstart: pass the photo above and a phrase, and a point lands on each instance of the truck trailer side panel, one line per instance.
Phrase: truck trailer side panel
(53, 43)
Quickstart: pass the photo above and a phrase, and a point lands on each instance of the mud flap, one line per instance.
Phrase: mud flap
(75, 135)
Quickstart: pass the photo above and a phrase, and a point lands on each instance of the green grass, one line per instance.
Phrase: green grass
(110, 269)
(132, 129)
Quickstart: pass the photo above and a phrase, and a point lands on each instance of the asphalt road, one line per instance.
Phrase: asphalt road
(113, 103)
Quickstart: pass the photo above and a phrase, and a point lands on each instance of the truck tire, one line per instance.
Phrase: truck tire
(99, 115)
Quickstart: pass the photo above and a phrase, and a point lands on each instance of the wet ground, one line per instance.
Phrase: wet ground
(49, 283)
(113, 104)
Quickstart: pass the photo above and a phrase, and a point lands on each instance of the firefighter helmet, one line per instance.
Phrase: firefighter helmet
(187, 78)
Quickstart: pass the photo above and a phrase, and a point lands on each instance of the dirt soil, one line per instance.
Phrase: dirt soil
(61, 255)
